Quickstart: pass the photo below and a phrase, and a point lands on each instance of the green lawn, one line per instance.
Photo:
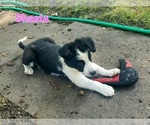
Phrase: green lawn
(137, 16)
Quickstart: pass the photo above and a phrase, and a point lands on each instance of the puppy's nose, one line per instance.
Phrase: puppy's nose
(93, 72)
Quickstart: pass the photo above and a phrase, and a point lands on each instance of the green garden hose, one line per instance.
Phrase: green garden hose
(15, 3)
(128, 28)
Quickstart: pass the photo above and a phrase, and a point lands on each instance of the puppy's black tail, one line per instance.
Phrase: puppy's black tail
(20, 42)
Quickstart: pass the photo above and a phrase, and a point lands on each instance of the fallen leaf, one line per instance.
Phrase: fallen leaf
(10, 63)
(54, 85)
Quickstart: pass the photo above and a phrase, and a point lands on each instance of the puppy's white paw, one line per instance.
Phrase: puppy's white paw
(113, 72)
(107, 90)
(29, 71)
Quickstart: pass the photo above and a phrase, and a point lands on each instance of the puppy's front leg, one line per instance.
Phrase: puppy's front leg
(80, 80)
(104, 72)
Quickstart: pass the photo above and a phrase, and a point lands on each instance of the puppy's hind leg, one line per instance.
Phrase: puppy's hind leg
(28, 70)
(28, 60)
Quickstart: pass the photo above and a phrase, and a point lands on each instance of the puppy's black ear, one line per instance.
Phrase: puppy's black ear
(90, 44)
(84, 43)
(66, 51)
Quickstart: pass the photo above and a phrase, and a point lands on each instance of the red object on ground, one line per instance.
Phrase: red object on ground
(128, 64)
(127, 76)
(108, 79)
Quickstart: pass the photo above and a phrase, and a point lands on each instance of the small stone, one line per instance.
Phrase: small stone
(100, 105)
(21, 101)
(69, 29)
(81, 93)
(25, 86)
(8, 86)
(140, 101)
(4, 54)
(4, 88)
(23, 95)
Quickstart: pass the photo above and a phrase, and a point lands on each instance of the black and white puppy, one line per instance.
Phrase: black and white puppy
(72, 59)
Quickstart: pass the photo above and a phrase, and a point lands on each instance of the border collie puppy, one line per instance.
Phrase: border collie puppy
(72, 59)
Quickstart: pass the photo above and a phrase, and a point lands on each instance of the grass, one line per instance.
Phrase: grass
(135, 16)
(138, 16)
(88, 2)
(3, 101)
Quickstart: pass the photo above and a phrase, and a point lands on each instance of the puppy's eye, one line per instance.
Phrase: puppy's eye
(81, 63)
